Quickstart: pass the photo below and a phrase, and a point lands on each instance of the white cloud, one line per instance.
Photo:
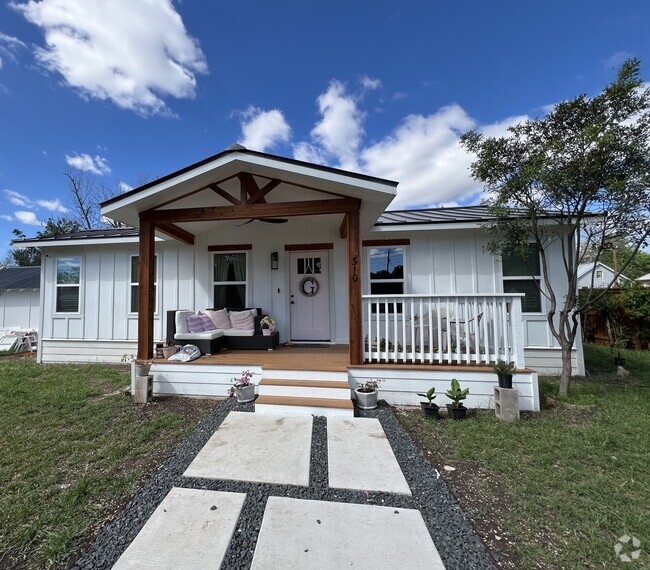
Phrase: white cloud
(5, 217)
(339, 132)
(17, 199)
(28, 218)
(132, 53)
(52, 205)
(97, 165)
(262, 130)
(8, 47)
(423, 153)
(370, 83)
(124, 187)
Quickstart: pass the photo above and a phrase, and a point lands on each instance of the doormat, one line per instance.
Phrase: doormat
(309, 345)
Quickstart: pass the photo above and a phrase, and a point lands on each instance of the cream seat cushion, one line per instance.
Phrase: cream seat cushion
(238, 332)
(208, 335)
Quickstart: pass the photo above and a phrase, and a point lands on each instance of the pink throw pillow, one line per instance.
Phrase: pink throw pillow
(207, 323)
(242, 319)
(220, 318)
(194, 324)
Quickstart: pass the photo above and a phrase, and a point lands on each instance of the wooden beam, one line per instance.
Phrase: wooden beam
(145, 290)
(233, 247)
(343, 230)
(308, 246)
(174, 231)
(224, 194)
(243, 186)
(259, 195)
(355, 316)
(385, 242)
(243, 211)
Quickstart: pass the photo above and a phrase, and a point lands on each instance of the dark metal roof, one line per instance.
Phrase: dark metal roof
(435, 216)
(243, 150)
(104, 233)
(20, 278)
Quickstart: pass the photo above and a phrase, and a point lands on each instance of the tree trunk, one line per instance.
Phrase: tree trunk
(565, 378)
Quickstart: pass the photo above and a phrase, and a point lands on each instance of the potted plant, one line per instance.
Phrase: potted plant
(367, 393)
(429, 409)
(268, 325)
(456, 409)
(169, 350)
(504, 371)
(142, 366)
(244, 387)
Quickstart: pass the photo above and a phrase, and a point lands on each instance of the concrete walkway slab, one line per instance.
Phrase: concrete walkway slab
(258, 448)
(360, 457)
(185, 531)
(317, 534)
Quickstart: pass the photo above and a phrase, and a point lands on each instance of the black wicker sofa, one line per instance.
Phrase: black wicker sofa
(222, 339)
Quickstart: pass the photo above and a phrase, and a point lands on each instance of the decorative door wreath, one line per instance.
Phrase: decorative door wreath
(309, 286)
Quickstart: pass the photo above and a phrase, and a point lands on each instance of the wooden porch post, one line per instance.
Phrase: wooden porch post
(354, 288)
(145, 290)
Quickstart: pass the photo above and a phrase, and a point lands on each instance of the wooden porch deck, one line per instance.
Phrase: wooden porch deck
(335, 358)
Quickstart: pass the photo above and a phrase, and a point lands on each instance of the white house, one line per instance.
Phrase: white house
(644, 280)
(411, 295)
(19, 297)
(597, 275)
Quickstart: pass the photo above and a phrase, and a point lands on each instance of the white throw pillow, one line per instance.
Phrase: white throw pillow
(181, 321)
(219, 318)
(242, 319)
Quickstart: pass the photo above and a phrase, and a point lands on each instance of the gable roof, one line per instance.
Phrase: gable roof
(585, 268)
(645, 277)
(193, 186)
(20, 278)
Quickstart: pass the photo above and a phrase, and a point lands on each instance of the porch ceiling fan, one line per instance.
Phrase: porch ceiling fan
(267, 220)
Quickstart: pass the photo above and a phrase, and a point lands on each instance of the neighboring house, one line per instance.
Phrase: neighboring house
(644, 280)
(597, 275)
(19, 297)
(412, 292)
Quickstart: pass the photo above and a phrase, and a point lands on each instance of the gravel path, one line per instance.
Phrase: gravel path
(452, 533)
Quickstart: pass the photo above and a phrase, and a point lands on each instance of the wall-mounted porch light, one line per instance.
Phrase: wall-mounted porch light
(274, 260)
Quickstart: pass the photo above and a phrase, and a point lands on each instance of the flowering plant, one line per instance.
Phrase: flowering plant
(371, 385)
(246, 379)
(267, 322)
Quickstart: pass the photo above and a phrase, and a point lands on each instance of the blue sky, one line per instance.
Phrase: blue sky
(130, 90)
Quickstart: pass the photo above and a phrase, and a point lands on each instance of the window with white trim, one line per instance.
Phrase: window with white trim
(599, 273)
(229, 278)
(135, 282)
(386, 273)
(522, 274)
(68, 274)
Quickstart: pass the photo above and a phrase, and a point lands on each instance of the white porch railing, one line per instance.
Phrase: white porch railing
(443, 329)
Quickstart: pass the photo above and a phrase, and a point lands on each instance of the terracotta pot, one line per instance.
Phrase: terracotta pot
(169, 350)
(142, 369)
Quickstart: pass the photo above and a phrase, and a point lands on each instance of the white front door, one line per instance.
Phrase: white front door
(310, 296)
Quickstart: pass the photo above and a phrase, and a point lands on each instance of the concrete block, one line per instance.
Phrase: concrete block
(300, 534)
(506, 403)
(143, 389)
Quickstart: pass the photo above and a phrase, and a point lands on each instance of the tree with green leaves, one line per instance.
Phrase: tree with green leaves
(575, 180)
(31, 256)
(619, 253)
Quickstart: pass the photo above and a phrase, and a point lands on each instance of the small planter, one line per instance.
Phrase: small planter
(430, 410)
(266, 332)
(142, 369)
(245, 393)
(459, 413)
(505, 380)
(366, 400)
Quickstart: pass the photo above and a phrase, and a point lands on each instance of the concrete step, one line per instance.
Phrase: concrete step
(297, 405)
(304, 388)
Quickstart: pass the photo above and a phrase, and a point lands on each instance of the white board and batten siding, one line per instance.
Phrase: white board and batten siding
(19, 308)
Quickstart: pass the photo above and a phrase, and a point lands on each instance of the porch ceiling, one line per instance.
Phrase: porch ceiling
(294, 182)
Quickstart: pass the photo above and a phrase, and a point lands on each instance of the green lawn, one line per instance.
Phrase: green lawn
(74, 448)
(558, 487)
